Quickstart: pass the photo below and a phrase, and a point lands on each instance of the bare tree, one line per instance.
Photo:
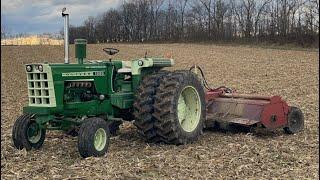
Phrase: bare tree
(181, 6)
(90, 29)
(220, 10)
(5, 31)
(215, 20)
(155, 6)
(208, 4)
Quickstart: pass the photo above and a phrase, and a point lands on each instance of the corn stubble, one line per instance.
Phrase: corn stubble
(259, 154)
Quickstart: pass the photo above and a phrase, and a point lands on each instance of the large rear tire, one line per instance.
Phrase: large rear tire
(180, 108)
(144, 106)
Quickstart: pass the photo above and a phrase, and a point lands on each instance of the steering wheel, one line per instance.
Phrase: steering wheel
(111, 51)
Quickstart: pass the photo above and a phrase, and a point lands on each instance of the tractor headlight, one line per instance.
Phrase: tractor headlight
(40, 68)
(140, 62)
(29, 68)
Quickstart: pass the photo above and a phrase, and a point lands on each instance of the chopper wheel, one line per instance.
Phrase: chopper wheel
(295, 121)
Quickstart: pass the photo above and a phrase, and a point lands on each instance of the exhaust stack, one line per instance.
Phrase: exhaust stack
(66, 35)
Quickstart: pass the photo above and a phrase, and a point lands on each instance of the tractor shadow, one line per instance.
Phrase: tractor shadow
(129, 133)
(261, 133)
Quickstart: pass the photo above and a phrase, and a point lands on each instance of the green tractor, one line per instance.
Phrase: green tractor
(91, 98)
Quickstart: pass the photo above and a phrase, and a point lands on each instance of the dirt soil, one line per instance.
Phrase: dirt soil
(259, 154)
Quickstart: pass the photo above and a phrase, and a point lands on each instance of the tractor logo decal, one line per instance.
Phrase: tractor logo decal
(88, 73)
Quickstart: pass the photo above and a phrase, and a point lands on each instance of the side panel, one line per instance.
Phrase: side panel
(101, 74)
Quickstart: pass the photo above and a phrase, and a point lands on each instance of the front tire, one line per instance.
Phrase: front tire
(26, 133)
(93, 138)
(180, 108)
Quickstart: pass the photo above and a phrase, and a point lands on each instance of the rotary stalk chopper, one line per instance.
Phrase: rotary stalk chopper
(91, 98)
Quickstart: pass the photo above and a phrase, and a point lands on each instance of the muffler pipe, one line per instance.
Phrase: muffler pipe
(66, 35)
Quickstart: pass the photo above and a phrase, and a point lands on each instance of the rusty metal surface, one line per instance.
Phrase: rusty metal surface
(234, 108)
(230, 119)
(244, 109)
(243, 121)
(275, 115)
(246, 96)
(241, 101)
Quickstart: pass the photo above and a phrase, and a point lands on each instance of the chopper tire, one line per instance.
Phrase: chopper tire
(180, 108)
(20, 133)
(295, 121)
(144, 106)
(93, 138)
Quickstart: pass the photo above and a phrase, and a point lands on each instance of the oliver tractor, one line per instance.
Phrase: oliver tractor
(91, 98)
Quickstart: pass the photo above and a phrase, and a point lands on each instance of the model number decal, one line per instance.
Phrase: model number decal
(87, 73)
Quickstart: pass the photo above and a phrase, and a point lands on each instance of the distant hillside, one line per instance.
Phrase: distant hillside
(31, 40)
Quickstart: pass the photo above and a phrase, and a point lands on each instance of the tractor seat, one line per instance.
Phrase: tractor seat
(124, 70)
(110, 51)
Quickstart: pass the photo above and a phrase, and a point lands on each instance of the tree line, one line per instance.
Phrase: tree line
(279, 21)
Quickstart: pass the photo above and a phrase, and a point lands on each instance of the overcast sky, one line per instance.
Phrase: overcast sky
(40, 16)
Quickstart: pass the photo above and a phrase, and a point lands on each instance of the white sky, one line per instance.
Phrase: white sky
(39, 16)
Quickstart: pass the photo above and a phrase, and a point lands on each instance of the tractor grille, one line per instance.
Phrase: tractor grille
(40, 89)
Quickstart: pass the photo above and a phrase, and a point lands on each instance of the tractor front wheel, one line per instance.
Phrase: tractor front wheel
(93, 138)
(26, 133)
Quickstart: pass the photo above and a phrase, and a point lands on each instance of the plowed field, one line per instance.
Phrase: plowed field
(293, 74)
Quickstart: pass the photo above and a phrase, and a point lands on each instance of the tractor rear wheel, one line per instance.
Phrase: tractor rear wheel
(295, 121)
(93, 138)
(143, 106)
(180, 108)
(26, 133)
